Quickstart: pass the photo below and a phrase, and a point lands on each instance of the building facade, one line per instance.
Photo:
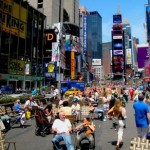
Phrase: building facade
(107, 58)
(58, 10)
(94, 31)
(22, 43)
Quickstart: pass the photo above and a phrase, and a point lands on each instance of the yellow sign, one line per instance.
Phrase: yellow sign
(72, 65)
(14, 18)
(51, 67)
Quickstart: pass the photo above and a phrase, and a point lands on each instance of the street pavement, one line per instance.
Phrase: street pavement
(105, 136)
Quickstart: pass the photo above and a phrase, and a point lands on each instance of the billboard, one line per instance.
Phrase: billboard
(84, 33)
(117, 18)
(17, 23)
(50, 37)
(72, 65)
(147, 68)
(142, 56)
(72, 43)
(118, 64)
(117, 52)
(55, 51)
(128, 56)
(148, 22)
(96, 62)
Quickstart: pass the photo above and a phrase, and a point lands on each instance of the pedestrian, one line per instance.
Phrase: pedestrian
(142, 116)
(119, 113)
(62, 128)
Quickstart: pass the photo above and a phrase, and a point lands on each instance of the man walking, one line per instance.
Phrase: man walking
(142, 116)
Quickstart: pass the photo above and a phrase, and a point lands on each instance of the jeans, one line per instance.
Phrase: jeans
(83, 136)
(100, 113)
(60, 137)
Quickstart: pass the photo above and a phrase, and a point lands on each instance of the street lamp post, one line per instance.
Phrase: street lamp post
(57, 32)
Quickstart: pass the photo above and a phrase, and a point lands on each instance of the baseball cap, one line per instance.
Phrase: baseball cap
(75, 99)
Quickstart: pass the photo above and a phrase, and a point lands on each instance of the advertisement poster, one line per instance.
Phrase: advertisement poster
(72, 43)
(142, 56)
(128, 56)
(17, 23)
(55, 50)
(72, 65)
(147, 68)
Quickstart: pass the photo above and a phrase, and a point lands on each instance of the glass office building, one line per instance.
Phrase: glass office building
(21, 45)
(94, 28)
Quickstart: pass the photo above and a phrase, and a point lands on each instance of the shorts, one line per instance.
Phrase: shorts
(142, 132)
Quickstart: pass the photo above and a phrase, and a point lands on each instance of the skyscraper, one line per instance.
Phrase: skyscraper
(94, 31)
(58, 10)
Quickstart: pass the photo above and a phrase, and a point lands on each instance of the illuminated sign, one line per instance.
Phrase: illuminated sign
(118, 64)
(117, 52)
(85, 33)
(50, 37)
(72, 65)
(128, 56)
(117, 19)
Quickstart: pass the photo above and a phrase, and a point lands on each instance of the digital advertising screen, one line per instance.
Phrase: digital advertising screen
(117, 44)
(117, 19)
(118, 64)
(117, 52)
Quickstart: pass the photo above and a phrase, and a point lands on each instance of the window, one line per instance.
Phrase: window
(40, 1)
(40, 5)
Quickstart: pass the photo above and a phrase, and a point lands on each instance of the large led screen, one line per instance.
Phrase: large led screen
(117, 44)
(117, 19)
(118, 64)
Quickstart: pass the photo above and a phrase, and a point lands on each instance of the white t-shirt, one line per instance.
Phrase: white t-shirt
(61, 126)
(76, 107)
(30, 103)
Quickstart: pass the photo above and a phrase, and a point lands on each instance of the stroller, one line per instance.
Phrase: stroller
(43, 126)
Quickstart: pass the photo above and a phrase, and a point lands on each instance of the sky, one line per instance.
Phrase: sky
(133, 10)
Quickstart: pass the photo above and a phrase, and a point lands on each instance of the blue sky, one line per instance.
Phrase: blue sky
(133, 10)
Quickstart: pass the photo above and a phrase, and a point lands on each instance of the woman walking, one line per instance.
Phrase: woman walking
(119, 113)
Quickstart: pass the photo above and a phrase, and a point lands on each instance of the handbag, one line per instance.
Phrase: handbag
(87, 132)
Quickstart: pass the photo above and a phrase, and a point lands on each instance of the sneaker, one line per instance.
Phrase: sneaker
(104, 119)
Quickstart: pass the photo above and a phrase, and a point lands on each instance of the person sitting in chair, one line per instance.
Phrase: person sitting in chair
(62, 127)
(76, 108)
(20, 111)
(85, 131)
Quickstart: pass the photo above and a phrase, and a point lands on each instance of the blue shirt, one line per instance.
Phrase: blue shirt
(17, 108)
(141, 110)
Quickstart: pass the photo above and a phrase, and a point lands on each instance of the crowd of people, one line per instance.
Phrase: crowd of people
(102, 104)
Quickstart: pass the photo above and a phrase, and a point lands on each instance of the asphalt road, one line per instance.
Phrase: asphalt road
(27, 140)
